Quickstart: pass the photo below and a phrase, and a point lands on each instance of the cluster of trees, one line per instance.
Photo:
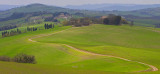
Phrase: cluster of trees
(56, 14)
(48, 26)
(51, 19)
(7, 27)
(132, 23)
(157, 25)
(109, 20)
(59, 13)
(78, 22)
(112, 20)
(20, 58)
(79, 14)
(11, 33)
(31, 29)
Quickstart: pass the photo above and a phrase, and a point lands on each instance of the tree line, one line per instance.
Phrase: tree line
(7, 27)
(31, 29)
(11, 33)
(16, 32)
(48, 26)
(157, 26)
(108, 20)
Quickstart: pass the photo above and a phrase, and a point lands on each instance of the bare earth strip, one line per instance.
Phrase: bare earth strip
(152, 68)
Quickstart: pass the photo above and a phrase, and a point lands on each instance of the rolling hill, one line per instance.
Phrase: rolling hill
(141, 17)
(87, 49)
(32, 8)
(53, 9)
(111, 7)
(138, 43)
(7, 7)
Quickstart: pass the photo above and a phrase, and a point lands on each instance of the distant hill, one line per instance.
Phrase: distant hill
(111, 7)
(32, 8)
(149, 12)
(6, 7)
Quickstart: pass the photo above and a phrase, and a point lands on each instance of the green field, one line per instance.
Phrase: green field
(133, 43)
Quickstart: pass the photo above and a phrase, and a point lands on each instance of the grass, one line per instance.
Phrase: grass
(134, 37)
(18, 68)
(53, 57)
(135, 43)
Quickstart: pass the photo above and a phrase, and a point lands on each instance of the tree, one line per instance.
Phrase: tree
(106, 21)
(157, 25)
(48, 26)
(132, 23)
(45, 26)
(23, 58)
(117, 20)
(53, 26)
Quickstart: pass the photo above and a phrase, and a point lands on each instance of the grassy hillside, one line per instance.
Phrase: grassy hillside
(135, 43)
(125, 36)
(51, 54)
(18, 68)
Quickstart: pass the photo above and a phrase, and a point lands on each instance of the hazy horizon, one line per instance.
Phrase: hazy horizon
(76, 2)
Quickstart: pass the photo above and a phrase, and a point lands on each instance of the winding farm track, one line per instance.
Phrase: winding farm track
(152, 68)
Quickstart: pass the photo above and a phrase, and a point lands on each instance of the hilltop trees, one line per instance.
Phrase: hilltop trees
(106, 21)
(112, 20)
(157, 26)
(132, 23)
(78, 22)
(118, 20)
(109, 20)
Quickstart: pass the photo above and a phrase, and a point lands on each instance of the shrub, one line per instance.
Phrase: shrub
(4, 58)
(23, 58)
(20, 58)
